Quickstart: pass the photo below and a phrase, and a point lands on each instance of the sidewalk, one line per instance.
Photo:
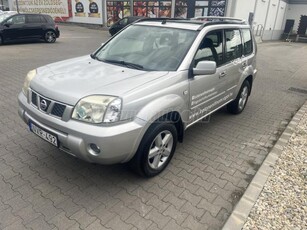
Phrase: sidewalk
(276, 198)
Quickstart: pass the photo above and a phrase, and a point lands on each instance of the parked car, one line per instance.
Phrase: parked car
(133, 98)
(14, 26)
(120, 24)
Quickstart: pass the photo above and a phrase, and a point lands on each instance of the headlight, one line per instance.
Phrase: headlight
(98, 109)
(28, 79)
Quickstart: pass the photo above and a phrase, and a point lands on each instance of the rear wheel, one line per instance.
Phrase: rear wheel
(50, 36)
(156, 149)
(238, 105)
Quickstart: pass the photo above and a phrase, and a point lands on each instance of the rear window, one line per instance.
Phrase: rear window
(48, 18)
(233, 44)
(247, 40)
(34, 19)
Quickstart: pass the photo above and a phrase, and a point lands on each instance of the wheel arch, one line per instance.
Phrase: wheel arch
(170, 107)
(250, 81)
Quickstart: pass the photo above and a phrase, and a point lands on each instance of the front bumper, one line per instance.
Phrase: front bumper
(118, 143)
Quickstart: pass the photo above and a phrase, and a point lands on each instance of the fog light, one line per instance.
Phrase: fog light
(94, 149)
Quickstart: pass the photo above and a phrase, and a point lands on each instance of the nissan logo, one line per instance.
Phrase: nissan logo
(43, 104)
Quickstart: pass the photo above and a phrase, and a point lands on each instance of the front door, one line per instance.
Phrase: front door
(206, 91)
(15, 27)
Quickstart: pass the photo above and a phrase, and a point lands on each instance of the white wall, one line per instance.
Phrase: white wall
(294, 11)
(268, 14)
(260, 12)
(243, 8)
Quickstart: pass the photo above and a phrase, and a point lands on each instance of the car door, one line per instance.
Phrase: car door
(233, 59)
(207, 92)
(34, 26)
(14, 27)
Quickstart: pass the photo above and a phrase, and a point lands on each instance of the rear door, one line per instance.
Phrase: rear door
(248, 48)
(233, 60)
(35, 25)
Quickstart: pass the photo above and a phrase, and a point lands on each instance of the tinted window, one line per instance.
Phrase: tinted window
(124, 21)
(18, 19)
(43, 19)
(48, 18)
(248, 43)
(233, 44)
(211, 48)
(34, 19)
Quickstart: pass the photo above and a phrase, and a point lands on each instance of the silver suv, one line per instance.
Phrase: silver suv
(133, 98)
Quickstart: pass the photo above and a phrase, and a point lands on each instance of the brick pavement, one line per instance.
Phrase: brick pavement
(43, 188)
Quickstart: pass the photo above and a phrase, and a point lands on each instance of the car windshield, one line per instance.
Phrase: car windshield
(4, 16)
(149, 48)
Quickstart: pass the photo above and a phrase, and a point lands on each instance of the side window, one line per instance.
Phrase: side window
(233, 45)
(43, 20)
(34, 19)
(124, 21)
(18, 19)
(211, 48)
(248, 42)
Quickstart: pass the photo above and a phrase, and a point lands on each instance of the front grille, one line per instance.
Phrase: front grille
(43, 104)
(58, 110)
(34, 98)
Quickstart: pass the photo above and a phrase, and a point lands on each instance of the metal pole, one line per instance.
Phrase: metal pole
(17, 8)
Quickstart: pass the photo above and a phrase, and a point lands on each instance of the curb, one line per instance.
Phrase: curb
(241, 212)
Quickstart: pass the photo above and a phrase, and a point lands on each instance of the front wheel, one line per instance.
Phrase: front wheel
(50, 36)
(238, 105)
(156, 149)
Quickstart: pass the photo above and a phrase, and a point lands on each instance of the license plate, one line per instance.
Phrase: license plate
(51, 138)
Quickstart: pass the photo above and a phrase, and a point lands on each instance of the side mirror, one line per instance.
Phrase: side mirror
(7, 24)
(205, 68)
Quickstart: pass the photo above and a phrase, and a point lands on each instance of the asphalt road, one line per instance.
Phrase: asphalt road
(43, 188)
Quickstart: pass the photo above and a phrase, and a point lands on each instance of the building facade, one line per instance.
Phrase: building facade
(269, 18)
(106, 12)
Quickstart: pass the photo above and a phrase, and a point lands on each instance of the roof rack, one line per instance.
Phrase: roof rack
(215, 18)
(202, 21)
(160, 19)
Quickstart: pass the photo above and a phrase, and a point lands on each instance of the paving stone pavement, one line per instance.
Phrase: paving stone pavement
(43, 188)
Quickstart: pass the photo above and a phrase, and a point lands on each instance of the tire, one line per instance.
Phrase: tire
(1, 40)
(50, 36)
(160, 139)
(237, 106)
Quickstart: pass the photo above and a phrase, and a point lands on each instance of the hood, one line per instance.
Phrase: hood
(69, 81)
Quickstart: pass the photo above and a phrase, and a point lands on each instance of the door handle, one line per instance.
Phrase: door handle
(223, 74)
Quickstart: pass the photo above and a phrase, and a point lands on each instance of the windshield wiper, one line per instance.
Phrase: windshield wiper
(93, 56)
(127, 64)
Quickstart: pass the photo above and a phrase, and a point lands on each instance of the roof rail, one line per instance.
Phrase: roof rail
(159, 19)
(215, 18)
